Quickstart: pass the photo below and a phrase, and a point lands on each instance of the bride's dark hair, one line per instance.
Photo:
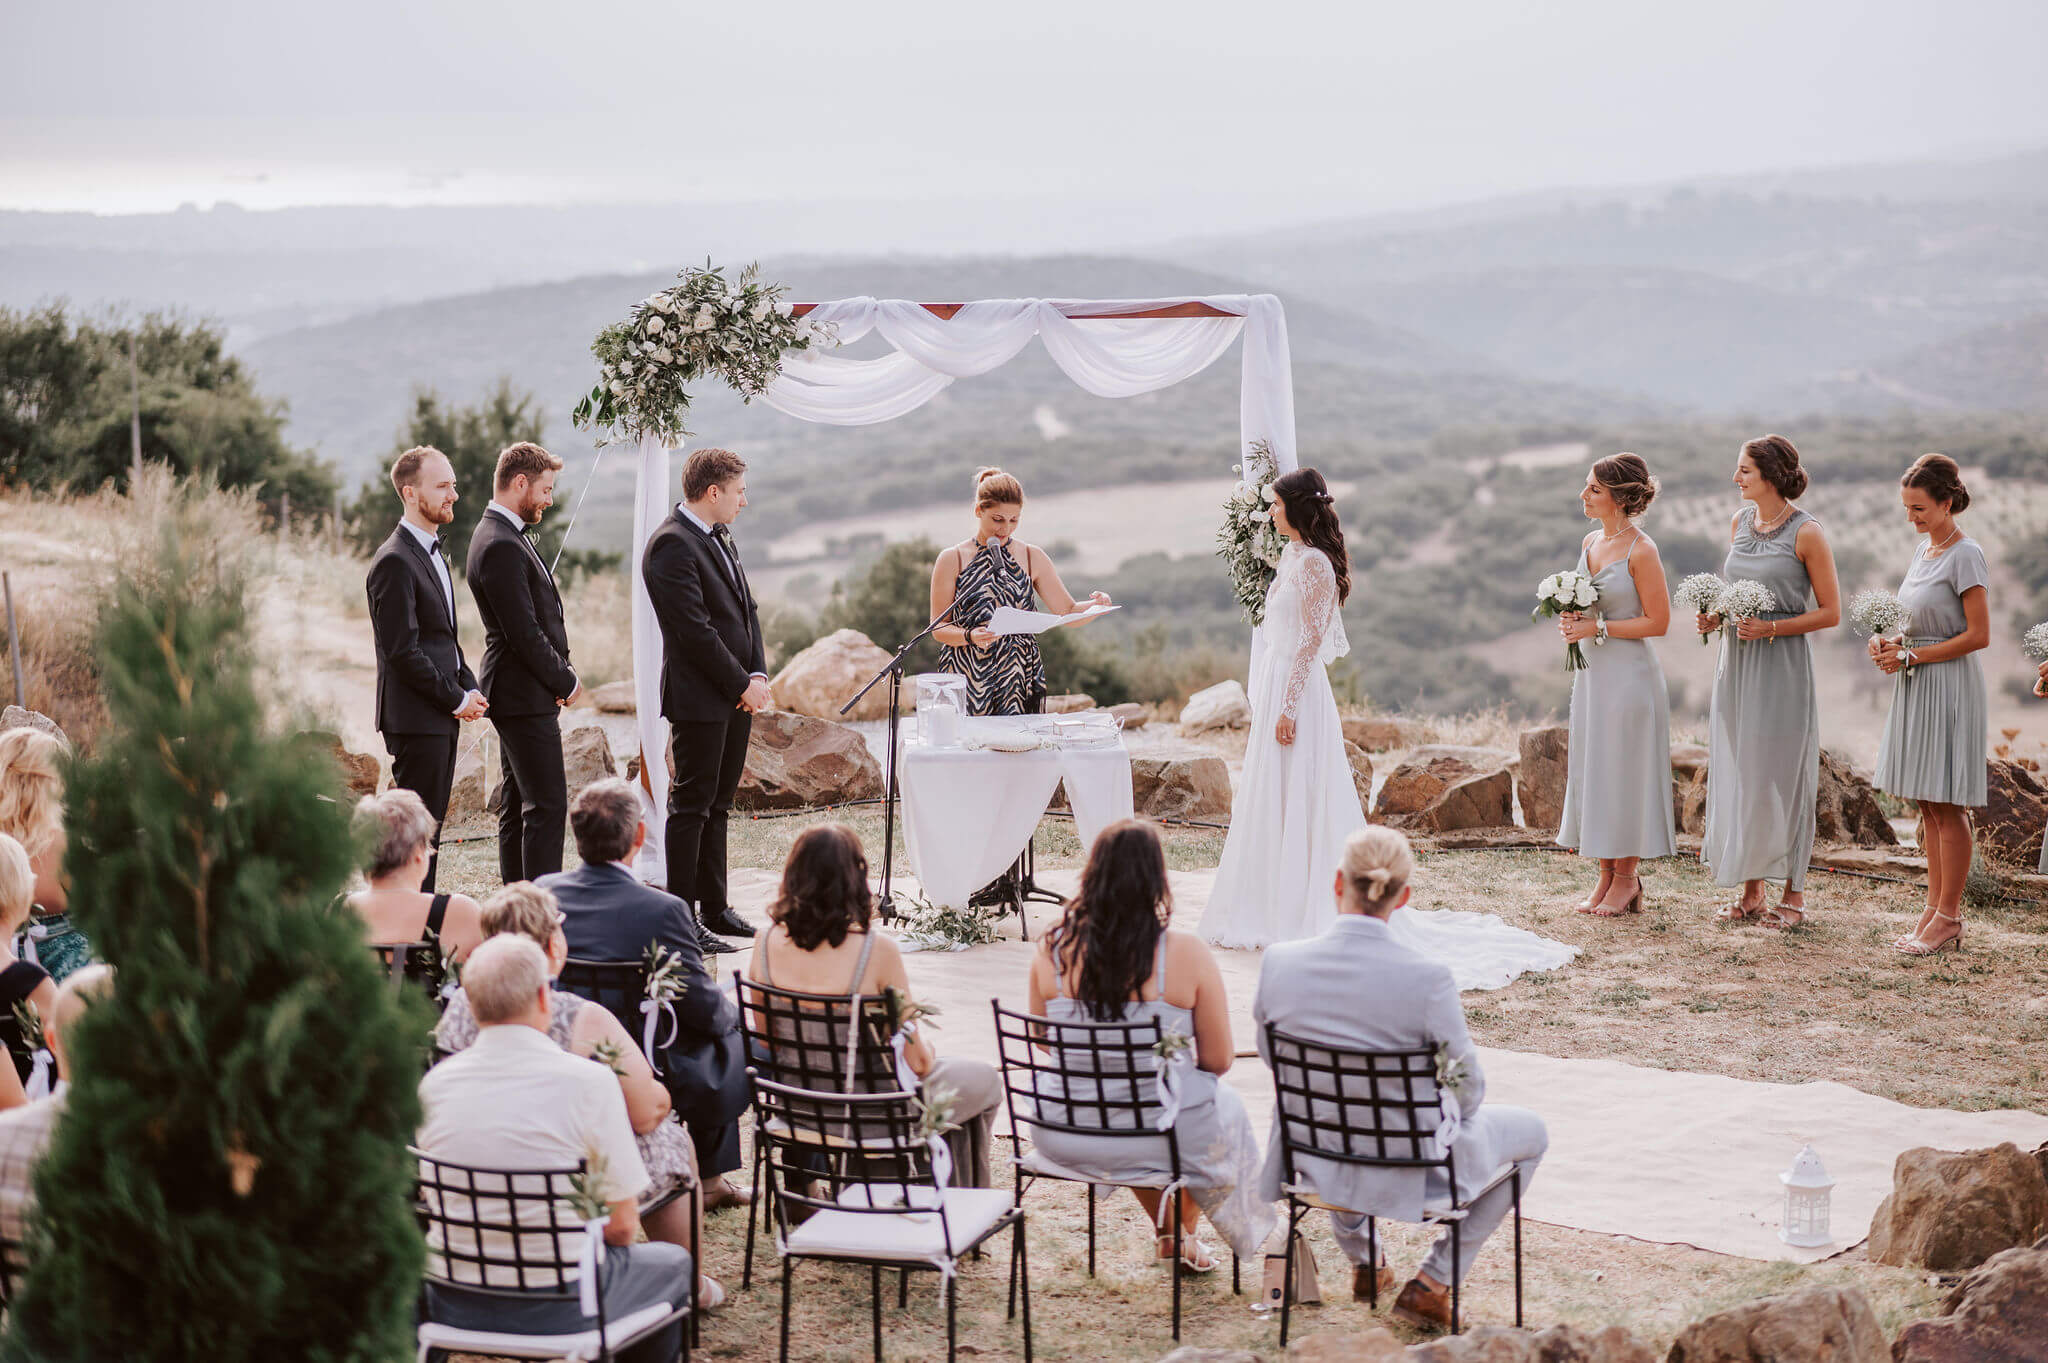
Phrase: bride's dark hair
(1116, 921)
(1312, 511)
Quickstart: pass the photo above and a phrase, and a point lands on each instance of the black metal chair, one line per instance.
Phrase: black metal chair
(417, 963)
(512, 1234)
(618, 987)
(13, 1265)
(876, 1200)
(1113, 1059)
(810, 1042)
(1377, 1109)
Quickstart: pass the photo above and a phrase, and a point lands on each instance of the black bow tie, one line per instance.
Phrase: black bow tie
(723, 534)
(434, 545)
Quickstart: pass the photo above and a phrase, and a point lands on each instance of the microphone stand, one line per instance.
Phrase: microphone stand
(893, 670)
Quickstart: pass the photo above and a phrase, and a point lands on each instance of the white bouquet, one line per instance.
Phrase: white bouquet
(1248, 540)
(2034, 643)
(1562, 594)
(1879, 615)
(1701, 591)
(1743, 600)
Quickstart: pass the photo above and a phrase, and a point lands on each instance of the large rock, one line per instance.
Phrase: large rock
(1998, 1314)
(359, 771)
(823, 677)
(1558, 1344)
(1688, 765)
(1180, 781)
(587, 757)
(1375, 1344)
(1539, 784)
(1068, 705)
(613, 698)
(2009, 826)
(1361, 772)
(1442, 787)
(1949, 1212)
(1222, 706)
(1132, 714)
(1846, 807)
(1384, 733)
(469, 796)
(1815, 1325)
(21, 717)
(794, 761)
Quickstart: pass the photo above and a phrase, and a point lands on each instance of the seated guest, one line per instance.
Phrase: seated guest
(32, 813)
(578, 1027)
(399, 833)
(1114, 959)
(21, 982)
(608, 915)
(1355, 987)
(515, 1100)
(820, 940)
(25, 1131)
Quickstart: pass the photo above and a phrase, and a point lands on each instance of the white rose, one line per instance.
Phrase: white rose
(1584, 595)
(618, 389)
(1261, 517)
(706, 314)
(1547, 586)
(654, 326)
(761, 310)
(705, 321)
(1266, 494)
(625, 366)
(784, 308)
(665, 355)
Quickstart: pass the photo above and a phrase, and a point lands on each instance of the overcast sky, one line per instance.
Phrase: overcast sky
(129, 105)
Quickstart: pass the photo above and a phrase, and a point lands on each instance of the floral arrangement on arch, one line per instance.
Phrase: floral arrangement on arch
(1248, 542)
(702, 324)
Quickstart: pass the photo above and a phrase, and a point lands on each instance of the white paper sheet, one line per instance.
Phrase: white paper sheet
(1010, 620)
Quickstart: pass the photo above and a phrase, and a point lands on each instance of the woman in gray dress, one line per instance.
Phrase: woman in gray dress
(1763, 738)
(1113, 959)
(1617, 794)
(1934, 738)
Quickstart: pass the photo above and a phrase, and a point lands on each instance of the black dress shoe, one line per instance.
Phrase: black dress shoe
(713, 946)
(726, 923)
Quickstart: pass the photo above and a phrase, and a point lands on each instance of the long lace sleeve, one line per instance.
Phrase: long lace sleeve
(1318, 593)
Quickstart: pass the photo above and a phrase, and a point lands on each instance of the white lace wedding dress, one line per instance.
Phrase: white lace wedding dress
(1296, 804)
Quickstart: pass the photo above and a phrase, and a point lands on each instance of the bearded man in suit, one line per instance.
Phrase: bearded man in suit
(424, 687)
(713, 678)
(526, 674)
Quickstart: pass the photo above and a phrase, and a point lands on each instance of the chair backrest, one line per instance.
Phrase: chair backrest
(618, 987)
(1358, 1106)
(1083, 1078)
(500, 1230)
(801, 1040)
(866, 1147)
(418, 962)
(13, 1266)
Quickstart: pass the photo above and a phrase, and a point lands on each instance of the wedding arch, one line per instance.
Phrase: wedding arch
(1110, 347)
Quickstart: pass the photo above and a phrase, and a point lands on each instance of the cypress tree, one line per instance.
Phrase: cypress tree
(229, 1181)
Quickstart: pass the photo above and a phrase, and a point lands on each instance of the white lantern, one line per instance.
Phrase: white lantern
(1807, 1188)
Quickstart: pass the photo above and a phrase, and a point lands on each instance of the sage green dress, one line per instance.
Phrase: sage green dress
(1935, 737)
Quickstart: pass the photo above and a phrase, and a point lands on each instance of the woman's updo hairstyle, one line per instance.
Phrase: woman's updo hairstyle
(824, 892)
(1627, 479)
(1777, 459)
(1938, 477)
(993, 487)
(1377, 864)
(1313, 511)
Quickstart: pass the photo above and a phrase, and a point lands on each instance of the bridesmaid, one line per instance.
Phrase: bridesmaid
(1763, 765)
(1617, 795)
(1005, 672)
(1934, 738)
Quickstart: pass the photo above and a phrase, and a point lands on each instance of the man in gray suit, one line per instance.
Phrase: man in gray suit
(1356, 987)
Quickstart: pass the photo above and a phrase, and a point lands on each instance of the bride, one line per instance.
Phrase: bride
(1296, 803)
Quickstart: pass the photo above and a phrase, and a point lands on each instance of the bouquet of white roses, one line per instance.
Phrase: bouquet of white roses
(1563, 594)
(1701, 591)
(1248, 540)
(1744, 600)
(703, 324)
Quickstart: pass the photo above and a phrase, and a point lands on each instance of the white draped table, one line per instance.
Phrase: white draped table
(968, 812)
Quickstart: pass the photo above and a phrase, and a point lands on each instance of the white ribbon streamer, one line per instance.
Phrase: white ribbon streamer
(1166, 1069)
(587, 1262)
(653, 1010)
(1451, 1120)
(39, 1077)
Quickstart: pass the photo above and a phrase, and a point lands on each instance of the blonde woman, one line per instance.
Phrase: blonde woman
(21, 982)
(32, 813)
(399, 833)
(1005, 672)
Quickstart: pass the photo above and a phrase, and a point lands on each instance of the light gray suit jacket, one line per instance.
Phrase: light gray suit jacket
(1356, 987)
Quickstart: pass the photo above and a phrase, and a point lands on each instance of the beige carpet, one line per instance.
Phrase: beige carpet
(1677, 1158)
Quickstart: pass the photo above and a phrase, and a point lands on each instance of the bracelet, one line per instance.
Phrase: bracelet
(1774, 629)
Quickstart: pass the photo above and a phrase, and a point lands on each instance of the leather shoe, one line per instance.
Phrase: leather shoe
(1362, 1282)
(713, 946)
(726, 923)
(1423, 1306)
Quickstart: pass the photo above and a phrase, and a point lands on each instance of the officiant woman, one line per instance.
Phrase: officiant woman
(1005, 673)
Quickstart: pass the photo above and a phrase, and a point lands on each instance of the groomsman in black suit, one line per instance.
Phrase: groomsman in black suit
(526, 674)
(424, 688)
(713, 678)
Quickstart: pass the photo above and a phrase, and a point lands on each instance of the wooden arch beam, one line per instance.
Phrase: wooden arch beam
(948, 310)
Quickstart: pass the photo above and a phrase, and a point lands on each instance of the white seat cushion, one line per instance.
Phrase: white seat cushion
(1039, 1165)
(920, 1235)
(582, 1345)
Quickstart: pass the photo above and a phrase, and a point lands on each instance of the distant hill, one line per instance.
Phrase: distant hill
(2003, 367)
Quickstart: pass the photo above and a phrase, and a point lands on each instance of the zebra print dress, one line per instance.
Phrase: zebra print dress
(1007, 677)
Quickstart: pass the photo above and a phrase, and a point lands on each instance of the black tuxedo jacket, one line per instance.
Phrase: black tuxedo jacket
(526, 640)
(611, 916)
(710, 630)
(421, 675)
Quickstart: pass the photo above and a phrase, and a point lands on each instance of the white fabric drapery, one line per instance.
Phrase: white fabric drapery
(1106, 354)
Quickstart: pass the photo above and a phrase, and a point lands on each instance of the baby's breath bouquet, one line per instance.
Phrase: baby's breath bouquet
(702, 324)
(1743, 600)
(1562, 594)
(2034, 643)
(1701, 592)
(1248, 541)
(1879, 614)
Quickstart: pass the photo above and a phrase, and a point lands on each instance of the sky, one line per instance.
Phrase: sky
(123, 106)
